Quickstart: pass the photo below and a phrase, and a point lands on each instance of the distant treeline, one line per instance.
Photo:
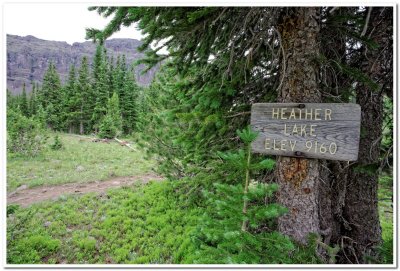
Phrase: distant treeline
(83, 102)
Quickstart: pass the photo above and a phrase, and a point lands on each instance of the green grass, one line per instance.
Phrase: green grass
(385, 193)
(79, 161)
(138, 224)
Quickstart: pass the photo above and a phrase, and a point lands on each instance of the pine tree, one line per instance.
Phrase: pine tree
(100, 86)
(228, 231)
(83, 97)
(110, 75)
(129, 104)
(50, 97)
(24, 102)
(71, 101)
(222, 67)
(33, 100)
(120, 74)
(111, 124)
(9, 99)
(13, 101)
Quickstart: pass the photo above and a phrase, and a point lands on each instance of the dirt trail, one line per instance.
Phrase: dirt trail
(26, 197)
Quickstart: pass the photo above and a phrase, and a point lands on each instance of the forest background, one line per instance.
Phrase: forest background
(192, 119)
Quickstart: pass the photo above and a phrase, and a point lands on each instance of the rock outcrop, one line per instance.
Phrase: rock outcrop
(28, 58)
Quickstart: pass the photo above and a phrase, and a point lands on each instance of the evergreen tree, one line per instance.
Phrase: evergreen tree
(33, 100)
(71, 101)
(228, 66)
(24, 102)
(25, 135)
(120, 74)
(83, 97)
(41, 116)
(110, 75)
(129, 92)
(228, 231)
(111, 124)
(10, 100)
(100, 86)
(50, 97)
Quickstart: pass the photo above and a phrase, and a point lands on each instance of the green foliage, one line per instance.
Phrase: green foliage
(71, 99)
(128, 94)
(219, 236)
(33, 106)
(11, 208)
(51, 98)
(385, 203)
(131, 225)
(57, 144)
(101, 87)
(84, 97)
(24, 102)
(387, 134)
(107, 128)
(25, 136)
(186, 125)
(80, 105)
(100, 161)
(247, 135)
(32, 249)
(232, 230)
(111, 125)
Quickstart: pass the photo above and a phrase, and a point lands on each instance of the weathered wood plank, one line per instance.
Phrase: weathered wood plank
(310, 130)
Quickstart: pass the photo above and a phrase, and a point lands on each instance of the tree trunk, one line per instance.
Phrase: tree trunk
(363, 234)
(298, 178)
(333, 190)
(81, 129)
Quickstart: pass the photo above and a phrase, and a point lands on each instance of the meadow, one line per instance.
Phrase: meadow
(153, 223)
(79, 161)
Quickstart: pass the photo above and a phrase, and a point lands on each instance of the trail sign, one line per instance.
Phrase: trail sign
(309, 130)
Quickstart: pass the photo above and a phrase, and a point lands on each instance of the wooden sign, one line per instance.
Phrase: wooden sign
(309, 130)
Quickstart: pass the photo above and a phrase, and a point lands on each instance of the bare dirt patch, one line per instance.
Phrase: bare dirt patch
(28, 196)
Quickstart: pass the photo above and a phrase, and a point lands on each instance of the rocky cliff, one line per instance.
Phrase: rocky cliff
(28, 58)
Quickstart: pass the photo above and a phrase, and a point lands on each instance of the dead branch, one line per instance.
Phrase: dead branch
(124, 143)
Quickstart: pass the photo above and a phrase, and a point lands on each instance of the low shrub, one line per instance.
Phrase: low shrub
(25, 136)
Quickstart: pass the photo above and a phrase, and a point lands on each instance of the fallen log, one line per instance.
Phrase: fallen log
(81, 136)
(124, 143)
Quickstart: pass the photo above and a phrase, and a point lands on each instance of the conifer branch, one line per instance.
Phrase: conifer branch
(246, 188)
(366, 22)
(238, 114)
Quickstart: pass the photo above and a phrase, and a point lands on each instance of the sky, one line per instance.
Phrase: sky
(57, 21)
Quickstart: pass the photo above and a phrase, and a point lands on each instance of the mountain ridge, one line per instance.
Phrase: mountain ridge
(28, 58)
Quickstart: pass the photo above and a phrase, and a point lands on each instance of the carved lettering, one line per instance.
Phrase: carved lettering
(275, 113)
(312, 129)
(285, 131)
(283, 112)
(292, 144)
(308, 114)
(283, 145)
(275, 147)
(303, 130)
(316, 114)
(292, 114)
(328, 113)
(322, 131)
(266, 144)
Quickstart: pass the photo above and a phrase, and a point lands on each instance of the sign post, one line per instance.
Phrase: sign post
(307, 130)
